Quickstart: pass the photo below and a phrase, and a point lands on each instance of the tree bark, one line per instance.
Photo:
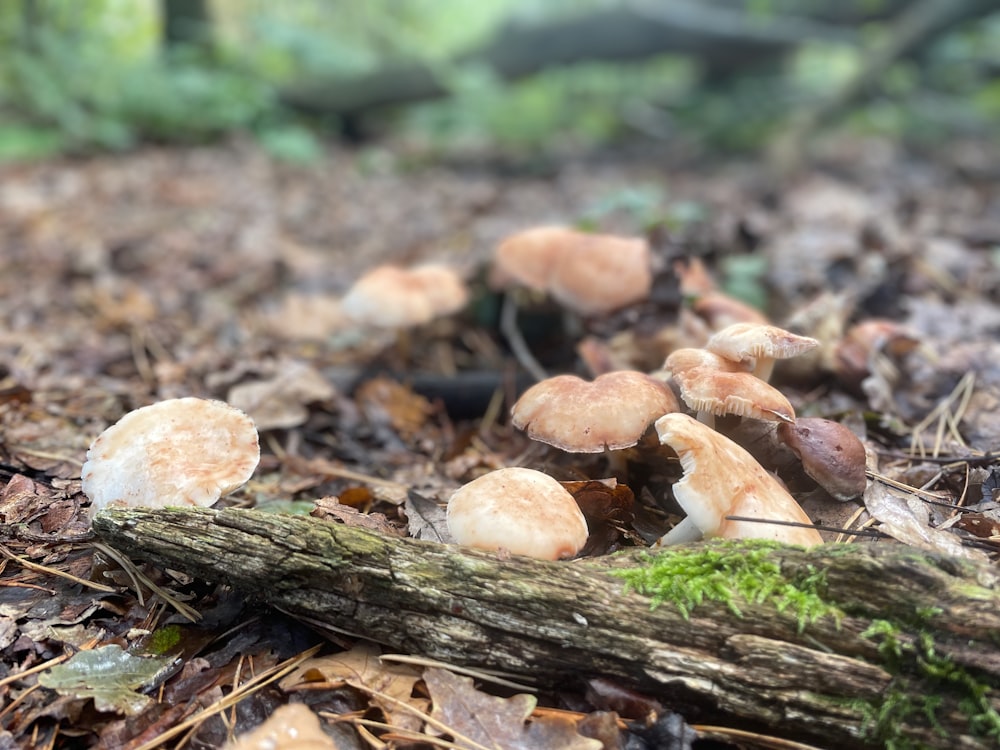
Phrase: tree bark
(825, 683)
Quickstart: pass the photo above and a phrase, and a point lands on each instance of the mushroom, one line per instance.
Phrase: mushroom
(182, 451)
(713, 386)
(761, 343)
(722, 480)
(589, 274)
(393, 297)
(520, 511)
(830, 453)
(610, 413)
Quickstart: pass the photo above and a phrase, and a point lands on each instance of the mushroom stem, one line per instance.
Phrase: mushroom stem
(707, 418)
(763, 368)
(508, 326)
(685, 531)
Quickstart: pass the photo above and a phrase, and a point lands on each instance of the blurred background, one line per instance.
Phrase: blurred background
(514, 76)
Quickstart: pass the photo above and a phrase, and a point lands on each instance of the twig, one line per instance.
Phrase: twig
(53, 571)
(508, 326)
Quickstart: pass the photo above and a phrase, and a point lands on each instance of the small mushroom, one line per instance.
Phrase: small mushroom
(830, 453)
(761, 343)
(722, 480)
(393, 297)
(610, 413)
(182, 451)
(713, 386)
(520, 511)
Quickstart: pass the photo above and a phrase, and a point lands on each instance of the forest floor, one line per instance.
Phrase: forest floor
(129, 279)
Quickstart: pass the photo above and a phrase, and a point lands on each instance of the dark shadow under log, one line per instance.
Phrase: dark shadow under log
(827, 683)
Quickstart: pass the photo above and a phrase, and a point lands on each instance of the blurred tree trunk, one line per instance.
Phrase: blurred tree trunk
(186, 23)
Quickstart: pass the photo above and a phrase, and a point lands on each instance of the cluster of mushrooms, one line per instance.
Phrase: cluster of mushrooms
(725, 492)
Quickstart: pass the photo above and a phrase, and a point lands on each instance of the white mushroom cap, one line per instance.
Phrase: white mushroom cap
(721, 479)
(522, 511)
(183, 451)
(612, 412)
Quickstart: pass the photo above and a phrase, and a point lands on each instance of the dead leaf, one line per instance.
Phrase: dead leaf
(331, 508)
(384, 400)
(280, 402)
(426, 518)
(483, 720)
(906, 519)
(388, 683)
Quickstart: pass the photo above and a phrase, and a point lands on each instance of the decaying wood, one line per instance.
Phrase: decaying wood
(570, 620)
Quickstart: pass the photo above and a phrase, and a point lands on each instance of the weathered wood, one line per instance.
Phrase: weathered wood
(555, 621)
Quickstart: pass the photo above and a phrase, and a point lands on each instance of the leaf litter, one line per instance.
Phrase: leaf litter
(129, 280)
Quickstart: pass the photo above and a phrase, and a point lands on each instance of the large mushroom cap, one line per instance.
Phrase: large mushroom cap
(528, 257)
(721, 479)
(522, 511)
(183, 451)
(588, 273)
(830, 453)
(602, 273)
(612, 412)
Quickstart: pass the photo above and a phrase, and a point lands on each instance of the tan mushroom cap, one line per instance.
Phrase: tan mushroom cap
(590, 274)
(830, 453)
(611, 412)
(443, 285)
(529, 257)
(183, 451)
(705, 389)
(602, 273)
(762, 343)
(393, 297)
(721, 479)
(521, 511)
(681, 360)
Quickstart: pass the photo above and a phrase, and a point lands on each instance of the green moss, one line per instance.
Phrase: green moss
(732, 573)
(164, 640)
(736, 573)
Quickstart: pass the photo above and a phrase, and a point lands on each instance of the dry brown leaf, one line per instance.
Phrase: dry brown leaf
(332, 508)
(290, 727)
(500, 723)
(362, 669)
(280, 402)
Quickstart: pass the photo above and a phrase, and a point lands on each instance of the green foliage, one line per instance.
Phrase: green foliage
(79, 76)
(731, 573)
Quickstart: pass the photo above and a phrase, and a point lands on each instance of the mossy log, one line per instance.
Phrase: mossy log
(908, 651)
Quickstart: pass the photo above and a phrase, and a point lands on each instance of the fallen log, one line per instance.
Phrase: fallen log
(843, 645)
